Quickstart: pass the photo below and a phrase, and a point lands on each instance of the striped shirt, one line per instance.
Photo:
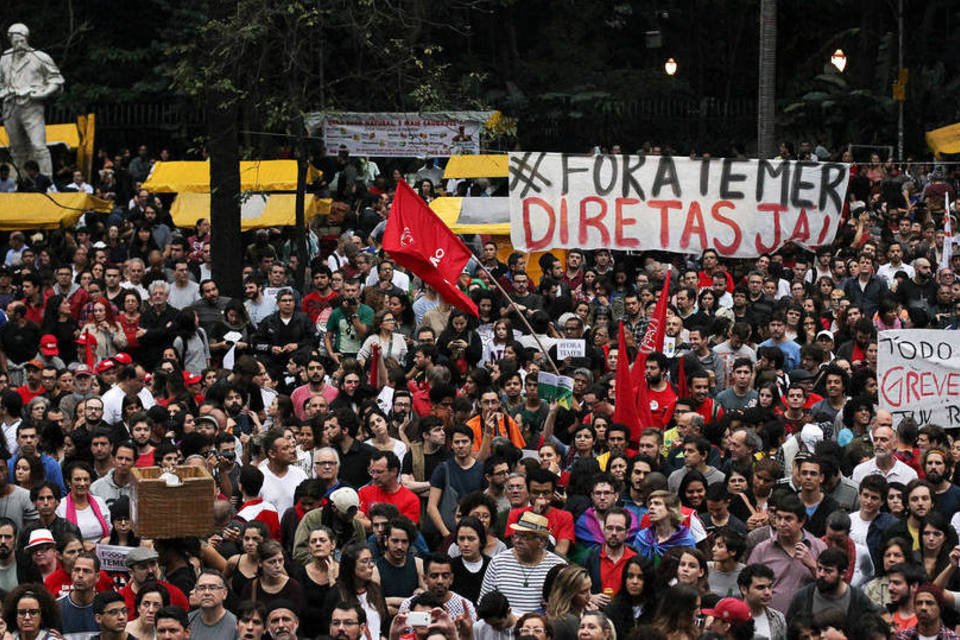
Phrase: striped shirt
(521, 584)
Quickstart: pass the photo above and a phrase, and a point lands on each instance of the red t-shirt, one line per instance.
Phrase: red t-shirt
(561, 522)
(611, 573)
(405, 500)
(176, 598)
(59, 583)
(26, 395)
(661, 406)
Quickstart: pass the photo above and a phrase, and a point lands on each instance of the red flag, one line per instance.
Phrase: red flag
(420, 241)
(653, 338)
(625, 409)
(682, 391)
(375, 366)
(89, 342)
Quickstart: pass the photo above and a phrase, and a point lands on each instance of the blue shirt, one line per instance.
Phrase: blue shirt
(791, 353)
(51, 469)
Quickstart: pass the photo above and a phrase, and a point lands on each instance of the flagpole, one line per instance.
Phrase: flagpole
(522, 317)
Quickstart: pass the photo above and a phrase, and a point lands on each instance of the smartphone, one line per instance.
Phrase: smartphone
(419, 619)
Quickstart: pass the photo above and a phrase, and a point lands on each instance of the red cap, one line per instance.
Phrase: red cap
(730, 610)
(36, 364)
(191, 378)
(105, 365)
(123, 358)
(83, 370)
(49, 346)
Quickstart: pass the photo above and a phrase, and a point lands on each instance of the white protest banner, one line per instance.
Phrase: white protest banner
(918, 374)
(439, 134)
(573, 348)
(113, 557)
(741, 208)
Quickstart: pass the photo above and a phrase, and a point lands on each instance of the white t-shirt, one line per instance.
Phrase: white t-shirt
(761, 625)
(859, 528)
(90, 527)
(279, 491)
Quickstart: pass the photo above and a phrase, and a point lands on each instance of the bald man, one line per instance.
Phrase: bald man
(884, 462)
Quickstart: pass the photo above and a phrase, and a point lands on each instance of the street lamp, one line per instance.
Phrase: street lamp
(839, 60)
(670, 66)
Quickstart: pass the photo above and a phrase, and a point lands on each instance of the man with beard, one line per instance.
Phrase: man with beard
(903, 580)
(46, 499)
(211, 621)
(347, 622)
(920, 291)
(928, 602)
(661, 394)
(438, 578)
(830, 591)
(339, 514)
(280, 475)
(884, 462)
(938, 466)
(341, 430)
(918, 500)
(11, 571)
(604, 495)
(118, 480)
(606, 562)
(541, 487)
(400, 572)
(316, 386)
(143, 566)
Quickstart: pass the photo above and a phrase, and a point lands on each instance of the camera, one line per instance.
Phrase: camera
(419, 618)
(349, 302)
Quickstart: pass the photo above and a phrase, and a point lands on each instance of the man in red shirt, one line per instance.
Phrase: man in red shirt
(385, 487)
(700, 394)
(143, 565)
(255, 507)
(33, 386)
(318, 304)
(662, 397)
(541, 485)
(606, 563)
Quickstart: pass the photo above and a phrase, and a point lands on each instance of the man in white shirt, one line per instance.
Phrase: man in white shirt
(129, 381)
(895, 264)
(281, 476)
(884, 462)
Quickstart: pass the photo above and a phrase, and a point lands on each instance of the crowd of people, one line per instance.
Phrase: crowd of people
(384, 465)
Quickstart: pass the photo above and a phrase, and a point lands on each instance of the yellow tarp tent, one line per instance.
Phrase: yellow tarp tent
(66, 134)
(944, 140)
(485, 166)
(20, 211)
(257, 210)
(450, 210)
(194, 177)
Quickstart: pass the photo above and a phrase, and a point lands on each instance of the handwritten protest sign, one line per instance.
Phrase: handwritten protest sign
(741, 208)
(113, 557)
(574, 348)
(918, 373)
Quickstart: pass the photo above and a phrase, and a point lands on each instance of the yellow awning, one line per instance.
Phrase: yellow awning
(20, 211)
(56, 134)
(257, 210)
(944, 140)
(489, 166)
(194, 176)
(449, 209)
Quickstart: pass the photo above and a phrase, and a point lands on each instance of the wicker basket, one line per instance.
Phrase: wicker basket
(159, 511)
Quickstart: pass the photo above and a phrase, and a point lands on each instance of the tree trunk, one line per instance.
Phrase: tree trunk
(766, 97)
(226, 244)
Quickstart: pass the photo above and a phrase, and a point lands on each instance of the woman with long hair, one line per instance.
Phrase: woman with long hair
(89, 512)
(686, 565)
(28, 472)
(808, 329)
(470, 536)
(129, 318)
(666, 528)
(693, 491)
(460, 343)
(121, 534)
(635, 602)
(483, 507)
(151, 597)
(356, 586)
(895, 551)
(31, 613)
(392, 344)
(584, 440)
(937, 540)
(494, 348)
(677, 614)
(317, 578)
(406, 323)
(142, 243)
(105, 329)
(59, 322)
(568, 599)
(242, 568)
(272, 582)
(190, 342)
(376, 424)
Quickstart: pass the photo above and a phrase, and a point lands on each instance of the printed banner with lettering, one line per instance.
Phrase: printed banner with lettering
(740, 207)
(918, 372)
(401, 134)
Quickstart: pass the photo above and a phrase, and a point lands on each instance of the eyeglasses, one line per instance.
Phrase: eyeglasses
(23, 613)
(202, 588)
(325, 463)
